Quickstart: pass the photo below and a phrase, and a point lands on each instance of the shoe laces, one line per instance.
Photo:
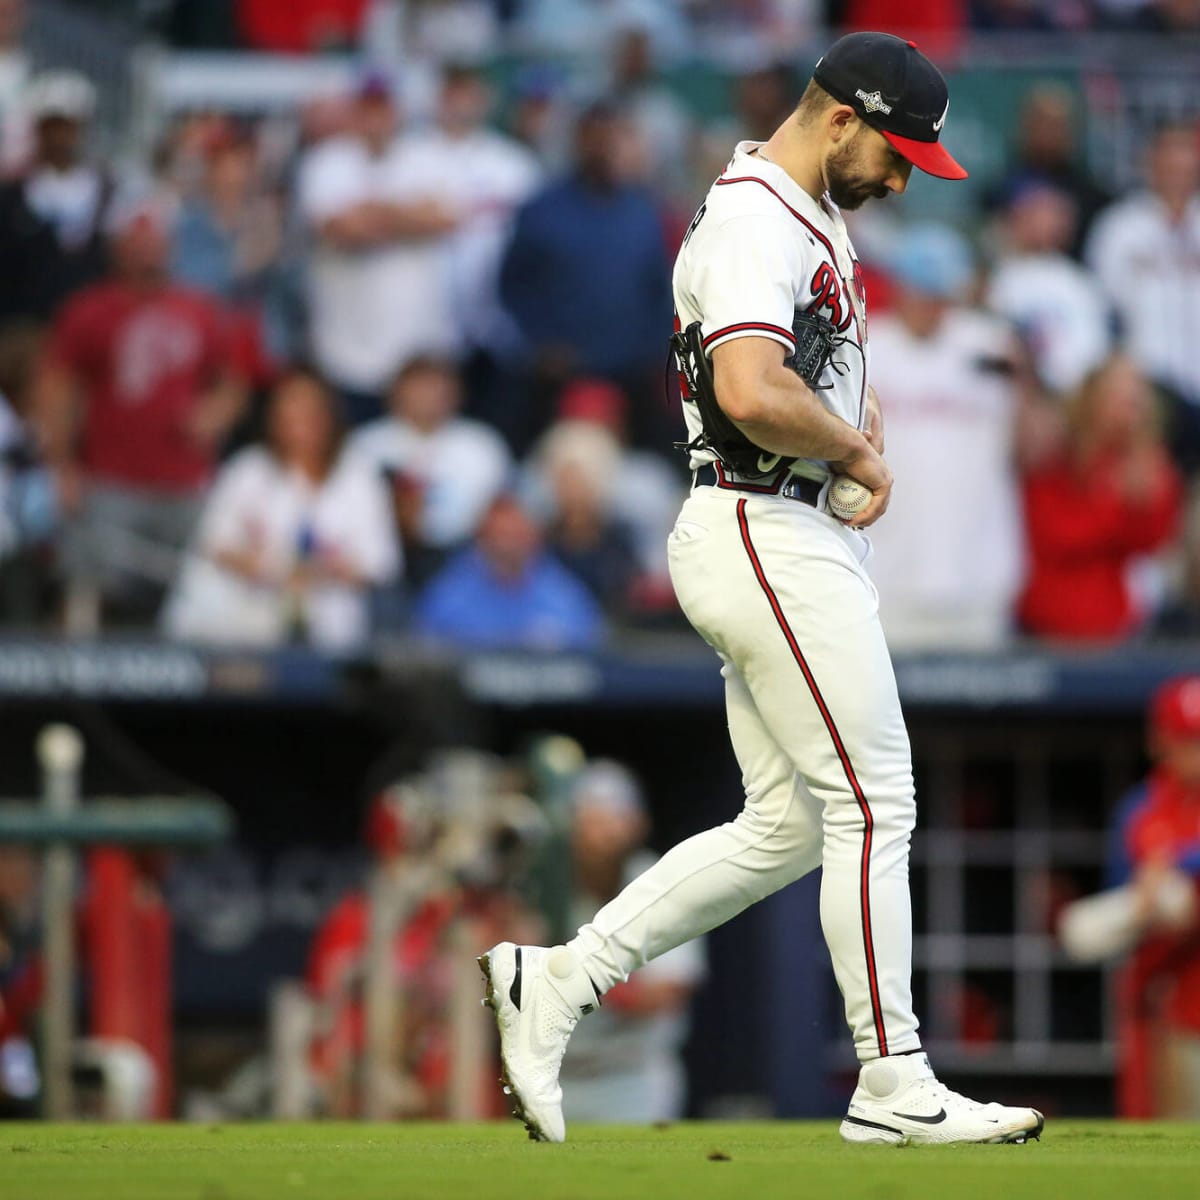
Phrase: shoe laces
(939, 1092)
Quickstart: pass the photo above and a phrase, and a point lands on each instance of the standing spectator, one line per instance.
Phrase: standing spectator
(1106, 496)
(1145, 250)
(626, 1065)
(379, 291)
(52, 216)
(660, 120)
(763, 99)
(1048, 296)
(1157, 850)
(506, 592)
(136, 395)
(444, 469)
(1046, 152)
(227, 239)
(947, 572)
(293, 537)
(482, 177)
(586, 277)
(15, 72)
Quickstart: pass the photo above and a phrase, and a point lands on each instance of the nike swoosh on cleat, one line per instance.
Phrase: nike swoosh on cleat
(514, 992)
(936, 1119)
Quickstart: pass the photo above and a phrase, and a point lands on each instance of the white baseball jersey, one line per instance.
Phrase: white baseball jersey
(1149, 269)
(759, 251)
(948, 556)
(374, 309)
(778, 588)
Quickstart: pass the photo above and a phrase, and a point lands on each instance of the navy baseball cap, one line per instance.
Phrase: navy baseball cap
(895, 89)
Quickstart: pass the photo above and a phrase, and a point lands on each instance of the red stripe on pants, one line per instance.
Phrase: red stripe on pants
(847, 767)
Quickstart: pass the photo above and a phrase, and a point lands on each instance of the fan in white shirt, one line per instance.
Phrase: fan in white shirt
(482, 177)
(1145, 250)
(292, 539)
(1047, 295)
(378, 284)
(947, 571)
(445, 470)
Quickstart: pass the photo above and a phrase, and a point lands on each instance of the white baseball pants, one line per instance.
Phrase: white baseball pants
(778, 589)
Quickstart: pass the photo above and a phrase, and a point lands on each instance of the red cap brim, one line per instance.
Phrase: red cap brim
(930, 157)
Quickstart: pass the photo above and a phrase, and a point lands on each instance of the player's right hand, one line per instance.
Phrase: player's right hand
(868, 467)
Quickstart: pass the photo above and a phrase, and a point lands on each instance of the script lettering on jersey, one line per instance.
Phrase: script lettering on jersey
(828, 294)
(695, 221)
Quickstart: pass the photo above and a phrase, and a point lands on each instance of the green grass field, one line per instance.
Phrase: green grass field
(1090, 1160)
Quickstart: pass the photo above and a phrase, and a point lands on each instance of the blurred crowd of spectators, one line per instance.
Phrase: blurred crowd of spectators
(368, 370)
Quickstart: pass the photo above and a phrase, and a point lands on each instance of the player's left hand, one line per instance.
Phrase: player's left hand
(873, 430)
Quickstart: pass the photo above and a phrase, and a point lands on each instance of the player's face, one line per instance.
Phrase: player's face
(865, 168)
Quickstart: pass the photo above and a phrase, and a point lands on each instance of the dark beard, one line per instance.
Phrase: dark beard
(846, 187)
(850, 194)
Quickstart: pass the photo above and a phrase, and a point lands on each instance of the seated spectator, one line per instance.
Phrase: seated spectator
(293, 537)
(1143, 252)
(650, 493)
(378, 289)
(625, 1063)
(444, 469)
(1107, 496)
(53, 215)
(137, 393)
(507, 592)
(1048, 296)
(577, 465)
(947, 374)
(29, 511)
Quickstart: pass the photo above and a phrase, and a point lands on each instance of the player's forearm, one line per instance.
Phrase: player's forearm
(784, 417)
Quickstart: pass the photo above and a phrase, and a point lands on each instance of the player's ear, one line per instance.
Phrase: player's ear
(842, 121)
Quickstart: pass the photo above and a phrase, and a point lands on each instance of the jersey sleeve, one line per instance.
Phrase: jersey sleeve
(745, 280)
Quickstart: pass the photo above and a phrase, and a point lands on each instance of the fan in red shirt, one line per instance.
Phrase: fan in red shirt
(1158, 841)
(136, 394)
(1108, 495)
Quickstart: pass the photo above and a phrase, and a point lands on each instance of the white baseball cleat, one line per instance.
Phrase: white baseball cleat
(538, 996)
(899, 1102)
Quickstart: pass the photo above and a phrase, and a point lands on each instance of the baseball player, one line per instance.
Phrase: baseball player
(773, 353)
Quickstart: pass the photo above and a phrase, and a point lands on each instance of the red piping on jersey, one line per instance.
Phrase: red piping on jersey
(847, 767)
(824, 242)
(795, 213)
(779, 329)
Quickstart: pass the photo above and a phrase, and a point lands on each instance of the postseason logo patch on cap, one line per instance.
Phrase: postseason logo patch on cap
(873, 101)
(896, 90)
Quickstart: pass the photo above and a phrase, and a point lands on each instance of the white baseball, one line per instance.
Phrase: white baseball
(847, 496)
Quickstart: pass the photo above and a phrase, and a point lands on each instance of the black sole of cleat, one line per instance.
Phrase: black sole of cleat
(516, 1106)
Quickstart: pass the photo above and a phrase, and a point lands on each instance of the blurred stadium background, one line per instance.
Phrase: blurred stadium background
(336, 471)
